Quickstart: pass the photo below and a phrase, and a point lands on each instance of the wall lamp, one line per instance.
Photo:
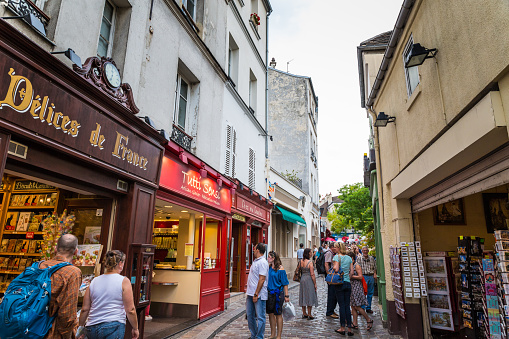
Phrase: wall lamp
(418, 54)
(32, 20)
(71, 55)
(148, 121)
(164, 134)
(383, 119)
(203, 171)
(219, 182)
(183, 157)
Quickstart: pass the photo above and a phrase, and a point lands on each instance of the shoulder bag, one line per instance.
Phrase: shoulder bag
(298, 273)
(333, 277)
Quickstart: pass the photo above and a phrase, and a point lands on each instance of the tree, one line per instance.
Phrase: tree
(355, 212)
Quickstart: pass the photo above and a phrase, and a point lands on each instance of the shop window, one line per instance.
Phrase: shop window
(231, 151)
(211, 246)
(252, 166)
(106, 32)
(411, 73)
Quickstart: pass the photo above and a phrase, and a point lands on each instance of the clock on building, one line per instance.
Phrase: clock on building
(112, 75)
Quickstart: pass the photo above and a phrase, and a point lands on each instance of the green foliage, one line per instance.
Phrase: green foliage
(293, 176)
(355, 211)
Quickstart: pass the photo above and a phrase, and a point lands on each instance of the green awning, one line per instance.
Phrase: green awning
(292, 217)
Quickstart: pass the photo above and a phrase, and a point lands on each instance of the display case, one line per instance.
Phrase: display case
(141, 262)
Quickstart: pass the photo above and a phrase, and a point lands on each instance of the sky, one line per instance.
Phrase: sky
(320, 39)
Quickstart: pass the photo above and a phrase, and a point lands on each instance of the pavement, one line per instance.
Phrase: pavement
(232, 323)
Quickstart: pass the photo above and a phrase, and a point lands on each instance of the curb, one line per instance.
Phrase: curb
(232, 319)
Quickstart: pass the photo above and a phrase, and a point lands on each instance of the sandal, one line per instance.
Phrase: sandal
(304, 316)
(340, 332)
(355, 327)
(310, 317)
(370, 325)
(349, 334)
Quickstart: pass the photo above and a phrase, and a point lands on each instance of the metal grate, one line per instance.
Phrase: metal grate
(179, 136)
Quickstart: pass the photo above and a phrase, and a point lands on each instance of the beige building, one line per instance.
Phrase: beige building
(443, 161)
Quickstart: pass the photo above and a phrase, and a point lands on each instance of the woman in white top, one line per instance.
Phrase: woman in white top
(107, 302)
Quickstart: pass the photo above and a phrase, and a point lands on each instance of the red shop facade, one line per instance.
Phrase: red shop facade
(194, 202)
(250, 222)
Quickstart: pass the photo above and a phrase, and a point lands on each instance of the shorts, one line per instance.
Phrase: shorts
(271, 303)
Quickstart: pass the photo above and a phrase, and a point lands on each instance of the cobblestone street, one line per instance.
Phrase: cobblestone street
(320, 327)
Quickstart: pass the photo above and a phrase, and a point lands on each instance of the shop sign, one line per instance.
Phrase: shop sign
(250, 208)
(30, 185)
(238, 217)
(33, 102)
(181, 179)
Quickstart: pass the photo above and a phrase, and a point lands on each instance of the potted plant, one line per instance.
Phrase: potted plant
(255, 19)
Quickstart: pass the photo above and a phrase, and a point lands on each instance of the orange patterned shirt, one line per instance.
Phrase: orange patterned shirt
(65, 284)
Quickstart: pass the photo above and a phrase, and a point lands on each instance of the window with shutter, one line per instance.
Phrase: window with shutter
(252, 162)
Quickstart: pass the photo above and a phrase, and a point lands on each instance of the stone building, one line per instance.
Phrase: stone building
(438, 105)
(292, 125)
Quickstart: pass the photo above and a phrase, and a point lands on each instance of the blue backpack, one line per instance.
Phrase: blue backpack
(25, 305)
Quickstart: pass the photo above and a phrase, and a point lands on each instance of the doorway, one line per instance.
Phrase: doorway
(237, 255)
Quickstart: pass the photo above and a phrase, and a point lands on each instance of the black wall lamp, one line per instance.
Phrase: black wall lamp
(148, 121)
(71, 55)
(383, 119)
(418, 54)
(32, 20)
(164, 134)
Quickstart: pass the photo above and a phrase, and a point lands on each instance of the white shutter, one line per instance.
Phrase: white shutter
(234, 151)
(228, 159)
(252, 162)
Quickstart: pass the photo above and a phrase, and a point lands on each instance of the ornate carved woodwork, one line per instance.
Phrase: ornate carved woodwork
(93, 72)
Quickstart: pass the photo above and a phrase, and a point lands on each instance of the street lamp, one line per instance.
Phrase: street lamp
(32, 20)
(71, 55)
(418, 54)
(383, 119)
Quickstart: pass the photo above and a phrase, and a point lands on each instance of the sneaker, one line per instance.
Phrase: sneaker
(333, 316)
(148, 317)
(369, 311)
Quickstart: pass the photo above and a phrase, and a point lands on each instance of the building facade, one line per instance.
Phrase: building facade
(441, 158)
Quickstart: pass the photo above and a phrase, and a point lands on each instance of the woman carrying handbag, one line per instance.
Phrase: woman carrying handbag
(344, 290)
(358, 298)
(307, 292)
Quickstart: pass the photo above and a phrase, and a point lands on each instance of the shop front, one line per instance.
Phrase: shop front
(191, 227)
(250, 223)
(70, 147)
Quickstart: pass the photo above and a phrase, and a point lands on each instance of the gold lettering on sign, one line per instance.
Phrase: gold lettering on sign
(39, 107)
(122, 152)
(96, 138)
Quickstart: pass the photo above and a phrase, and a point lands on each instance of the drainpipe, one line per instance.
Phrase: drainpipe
(267, 86)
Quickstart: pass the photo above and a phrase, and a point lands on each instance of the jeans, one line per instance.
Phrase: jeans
(256, 317)
(370, 281)
(332, 301)
(110, 330)
(343, 295)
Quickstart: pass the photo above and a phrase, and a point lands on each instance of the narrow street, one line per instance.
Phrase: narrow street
(320, 327)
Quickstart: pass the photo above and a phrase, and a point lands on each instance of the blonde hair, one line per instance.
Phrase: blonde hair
(112, 259)
(342, 248)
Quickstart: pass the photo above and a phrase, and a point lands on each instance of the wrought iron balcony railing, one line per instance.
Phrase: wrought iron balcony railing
(24, 7)
(179, 136)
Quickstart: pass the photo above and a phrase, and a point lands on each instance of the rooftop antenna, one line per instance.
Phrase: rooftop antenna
(288, 64)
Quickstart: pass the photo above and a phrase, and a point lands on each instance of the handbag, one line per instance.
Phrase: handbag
(333, 277)
(365, 286)
(298, 273)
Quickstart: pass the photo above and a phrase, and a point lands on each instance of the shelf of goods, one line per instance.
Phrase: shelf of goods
(21, 234)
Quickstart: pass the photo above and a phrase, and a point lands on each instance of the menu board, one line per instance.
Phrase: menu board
(396, 278)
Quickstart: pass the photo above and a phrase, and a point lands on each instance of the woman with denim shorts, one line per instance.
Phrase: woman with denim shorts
(107, 302)
(278, 294)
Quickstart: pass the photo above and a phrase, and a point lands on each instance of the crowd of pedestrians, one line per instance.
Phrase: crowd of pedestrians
(267, 288)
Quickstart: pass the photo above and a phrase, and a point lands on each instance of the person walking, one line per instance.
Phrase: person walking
(300, 252)
(65, 284)
(368, 267)
(256, 292)
(344, 290)
(307, 291)
(108, 301)
(315, 252)
(331, 291)
(358, 299)
(278, 294)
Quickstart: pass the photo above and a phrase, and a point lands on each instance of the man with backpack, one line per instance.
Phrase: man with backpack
(65, 284)
(331, 292)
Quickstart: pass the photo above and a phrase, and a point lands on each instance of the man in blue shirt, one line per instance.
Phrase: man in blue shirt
(300, 253)
(257, 293)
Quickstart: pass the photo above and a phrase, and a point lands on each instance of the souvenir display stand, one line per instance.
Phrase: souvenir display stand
(397, 286)
(502, 281)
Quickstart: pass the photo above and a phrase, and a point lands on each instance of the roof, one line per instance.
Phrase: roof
(380, 39)
(377, 43)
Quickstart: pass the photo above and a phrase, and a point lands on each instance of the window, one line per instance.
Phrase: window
(190, 6)
(254, 6)
(312, 188)
(181, 101)
(233, 60)
(231, 151)
(252, 91)
(252, 164)
(411, 73)
(106, 33)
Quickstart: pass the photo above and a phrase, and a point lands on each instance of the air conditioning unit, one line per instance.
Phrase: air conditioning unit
(122, 186)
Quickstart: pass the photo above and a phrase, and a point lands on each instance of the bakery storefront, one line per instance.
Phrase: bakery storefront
(250, 223)
(69, 147)
(191, 225)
